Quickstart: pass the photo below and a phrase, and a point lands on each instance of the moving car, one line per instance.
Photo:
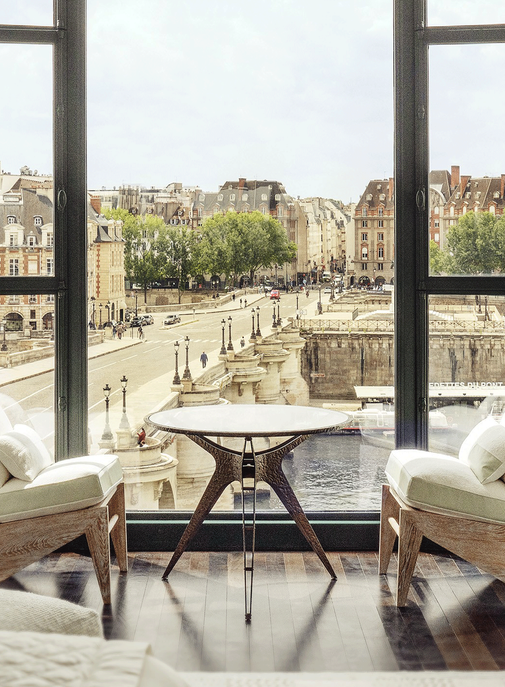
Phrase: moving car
(275, 293)
(171, 319)
(147, 319)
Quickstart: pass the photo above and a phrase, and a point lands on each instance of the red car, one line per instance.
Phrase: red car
(275, 294)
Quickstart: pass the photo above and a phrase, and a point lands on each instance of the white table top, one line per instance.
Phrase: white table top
(229, 420)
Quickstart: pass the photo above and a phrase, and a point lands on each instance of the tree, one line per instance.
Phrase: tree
(241, 243)
(476, 244)
(143, 264)
(438, 259)
(177, 252)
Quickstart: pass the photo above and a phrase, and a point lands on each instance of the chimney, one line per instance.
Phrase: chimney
(96, 204)
(391, 187)
(502, 187)
(454, 176)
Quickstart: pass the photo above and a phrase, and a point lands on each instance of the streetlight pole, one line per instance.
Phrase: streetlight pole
(223, 347)
(279, 321)
(107, 433)
(124, 424)
(274, 321)
(253, 334)
(258, 331)
(176, 379)
(4, 343)
(100, 325)
(230, 345)
(187, 371)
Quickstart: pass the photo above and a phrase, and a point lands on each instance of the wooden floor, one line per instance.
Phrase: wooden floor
(301, 621)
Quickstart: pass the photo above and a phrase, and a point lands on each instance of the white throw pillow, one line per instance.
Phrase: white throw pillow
(483, 450)
(23, 454)
(4, 474)
(33, 443)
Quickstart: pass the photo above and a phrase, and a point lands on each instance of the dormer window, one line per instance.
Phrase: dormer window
(364, 211)
(11, 219)
(496, 194)
(49, 239)
(232, 197)
(37, 221)
(277, 196)
(369, 197)
(32, 241)
(220, 196)
(245, 196)
(264, 196)
(381, 212)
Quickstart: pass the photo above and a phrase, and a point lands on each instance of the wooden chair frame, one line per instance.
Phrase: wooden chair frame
(25, 541)
(479, 543)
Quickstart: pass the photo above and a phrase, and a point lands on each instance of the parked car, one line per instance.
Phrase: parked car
(147, 319)
(275, 293)
(171, 319)
(136, 321)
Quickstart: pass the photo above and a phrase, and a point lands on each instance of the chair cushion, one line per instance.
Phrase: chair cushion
(64, 486)
(483, 450)
(443, 484)
(23, 611)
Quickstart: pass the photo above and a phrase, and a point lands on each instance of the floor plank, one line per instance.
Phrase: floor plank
(302, 620)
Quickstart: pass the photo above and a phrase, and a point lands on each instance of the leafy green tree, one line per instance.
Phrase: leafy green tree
(177, 249)
(241, 243)
(438, 259)
(141, 235)
(476, 244)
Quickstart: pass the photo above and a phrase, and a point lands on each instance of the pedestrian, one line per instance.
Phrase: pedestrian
(141, 437)
(140, 332)
(245, 302)
(114, 331)
(240, 302)
(233, 297)
(203, 359)
(242, 342)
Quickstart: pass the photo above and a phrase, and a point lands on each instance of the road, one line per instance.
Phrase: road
(153, 361)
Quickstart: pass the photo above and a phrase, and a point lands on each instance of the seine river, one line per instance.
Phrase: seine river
(333, 472)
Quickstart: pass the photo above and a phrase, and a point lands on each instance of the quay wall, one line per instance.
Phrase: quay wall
(333, 363)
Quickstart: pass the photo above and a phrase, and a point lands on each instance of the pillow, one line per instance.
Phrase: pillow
(23, 454)
(29, 437)
(4, 474)
(483, 450)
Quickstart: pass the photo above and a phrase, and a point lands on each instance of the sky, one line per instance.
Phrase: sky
(205, 91)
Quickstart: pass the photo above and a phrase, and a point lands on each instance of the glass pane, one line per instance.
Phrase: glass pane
(466, 366)
(302, 365)
(465, 12)
(27, 363)
(467, 181)
(26, 200)
(27, 13)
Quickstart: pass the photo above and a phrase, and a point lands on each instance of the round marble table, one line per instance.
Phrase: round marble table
(204, 424)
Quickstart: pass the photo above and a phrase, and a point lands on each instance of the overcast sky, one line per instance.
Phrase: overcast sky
(205, 91)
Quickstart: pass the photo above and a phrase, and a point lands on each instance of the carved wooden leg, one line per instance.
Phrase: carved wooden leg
(390, 509)
(118, 532)
(97, 535)
(270, 470)
(409, 543)
(224, 475)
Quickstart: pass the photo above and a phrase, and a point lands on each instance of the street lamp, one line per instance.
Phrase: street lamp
(100, 325)
(4, 343)
(136, 310)
(93, 311)
(253, 334)
(107, 305)
(320, 305)
(230, 345)
(187, 372)
(279, 321)
(177, 379)
(258, 332)
(107, 433)
(124, 424)
(274, 321)
(223, 347)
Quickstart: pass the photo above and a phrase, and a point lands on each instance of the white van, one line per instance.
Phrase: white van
(326, 276)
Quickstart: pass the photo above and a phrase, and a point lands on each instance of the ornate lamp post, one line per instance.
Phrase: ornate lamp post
(274, 321)
(107, 433)
(230, 345)
(253, 334)
(107, 305)
(100, 308)
(279, 321)
(2, 326)
(187, 371)
(223, 347)
(93, 310)
(136, 310)
(177, 379)
(124, 424)
(258, 331)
